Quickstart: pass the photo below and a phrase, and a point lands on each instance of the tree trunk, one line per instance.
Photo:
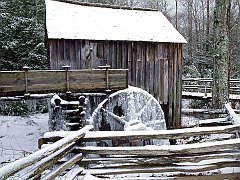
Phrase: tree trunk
(220, 92)
(176, 13)
(190, 31)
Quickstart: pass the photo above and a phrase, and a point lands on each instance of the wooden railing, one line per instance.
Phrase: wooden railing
(67, 154)
(201, 88)
(204, 85)
(28, 82)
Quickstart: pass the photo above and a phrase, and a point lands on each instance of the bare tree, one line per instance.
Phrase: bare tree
(190, 29)
(176, 14)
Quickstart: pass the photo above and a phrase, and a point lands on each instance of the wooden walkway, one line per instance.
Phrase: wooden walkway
(202, 96)
(201, 88)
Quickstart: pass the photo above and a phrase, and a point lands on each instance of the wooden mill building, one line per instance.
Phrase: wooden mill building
(141, 40)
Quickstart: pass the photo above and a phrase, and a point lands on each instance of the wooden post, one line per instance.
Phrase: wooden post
(66, 68)
(57, 119)
(81, 110)
(26, 68)
(235, 119)
(107, 76)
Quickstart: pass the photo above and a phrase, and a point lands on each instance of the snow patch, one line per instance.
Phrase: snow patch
(19, 136)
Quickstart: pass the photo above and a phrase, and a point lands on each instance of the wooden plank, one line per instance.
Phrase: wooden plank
(60, 52)
(134, 64)
(107, 52)
(177, 176)
(46, 81)
(209, 80)
(213, 121)
(235, 119)
(147, 67)
(53, 174)
(119, 55)
(47, 162)
(137, 135)
(53, 54)
(182, 166)
(72, 173)
(161, 82)
(179, 86)
(170, 88)
(72, 54)
(124, 55)
(11, 81)
(83, 54)
(169, 169)
(161, 160)
(129, 62)
(163, 134)
(78, 54)
(141, 66)
(138, 74)
(233, 116)
(212, 177)
(197, 148)
(165, 80)
(95, 61)
(201, 96)
(157, 73)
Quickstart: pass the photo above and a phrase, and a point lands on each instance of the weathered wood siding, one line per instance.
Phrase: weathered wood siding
(155, 67)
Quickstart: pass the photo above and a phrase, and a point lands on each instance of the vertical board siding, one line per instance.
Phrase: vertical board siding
(155, 67)
(179, 85)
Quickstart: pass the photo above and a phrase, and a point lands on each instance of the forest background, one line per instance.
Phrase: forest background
(211, 27)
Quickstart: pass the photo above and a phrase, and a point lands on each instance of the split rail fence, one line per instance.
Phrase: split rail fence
(69, 154)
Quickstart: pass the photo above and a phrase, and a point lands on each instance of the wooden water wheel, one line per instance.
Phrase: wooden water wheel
(130, 109)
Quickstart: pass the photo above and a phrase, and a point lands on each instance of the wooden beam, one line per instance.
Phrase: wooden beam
(47, 162)
(233, 116)
(133, 135)
(68, 164)
(180, 170)
(197, 148)
(73, 173)
(158, 160)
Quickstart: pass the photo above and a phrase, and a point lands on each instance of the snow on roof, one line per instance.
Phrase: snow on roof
(72, 21)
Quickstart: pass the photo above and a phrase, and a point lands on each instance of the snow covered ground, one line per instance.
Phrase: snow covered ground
(19, 136)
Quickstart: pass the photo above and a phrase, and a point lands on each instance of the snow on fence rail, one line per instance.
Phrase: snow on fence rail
(71, 154)
(138, 135)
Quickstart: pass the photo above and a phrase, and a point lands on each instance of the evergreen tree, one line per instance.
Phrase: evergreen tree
(22, 35)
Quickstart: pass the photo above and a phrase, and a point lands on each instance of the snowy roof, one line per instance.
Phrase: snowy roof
(74, 21)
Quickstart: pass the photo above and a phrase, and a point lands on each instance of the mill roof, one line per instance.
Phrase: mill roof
(79, 21)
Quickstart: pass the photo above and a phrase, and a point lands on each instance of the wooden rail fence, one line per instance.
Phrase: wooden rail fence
(201, 88)
(24, 82)
(69, 154)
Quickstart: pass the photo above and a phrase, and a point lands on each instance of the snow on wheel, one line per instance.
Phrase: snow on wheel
(130, 109)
